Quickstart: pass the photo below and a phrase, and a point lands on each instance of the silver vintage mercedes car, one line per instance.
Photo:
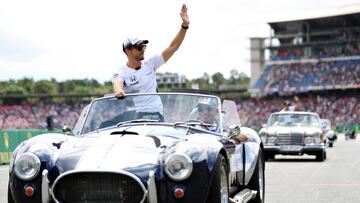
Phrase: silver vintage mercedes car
(293, 133)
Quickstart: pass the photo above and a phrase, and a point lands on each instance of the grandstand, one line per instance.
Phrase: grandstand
(317, 58)
(310, 54)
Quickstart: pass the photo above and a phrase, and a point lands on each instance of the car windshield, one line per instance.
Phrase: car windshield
(304, 120)
(179, 109)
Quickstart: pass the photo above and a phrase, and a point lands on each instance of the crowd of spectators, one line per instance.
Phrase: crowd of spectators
(26, 116)
(299, 77)
(340, 110)
(296, 53)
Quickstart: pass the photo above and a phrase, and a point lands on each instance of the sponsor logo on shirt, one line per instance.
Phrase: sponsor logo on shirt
(133, 81)
(133, 78)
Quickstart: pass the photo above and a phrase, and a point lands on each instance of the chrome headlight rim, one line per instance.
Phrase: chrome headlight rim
(169, 162)
(27, 157)
(309, 140)
(271, 139)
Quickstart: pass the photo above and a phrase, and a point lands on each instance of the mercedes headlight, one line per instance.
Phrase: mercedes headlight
(178, 166)
(271, 139)
(309, 140)
(26, 166)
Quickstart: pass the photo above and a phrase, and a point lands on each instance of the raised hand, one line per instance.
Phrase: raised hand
(184, 16)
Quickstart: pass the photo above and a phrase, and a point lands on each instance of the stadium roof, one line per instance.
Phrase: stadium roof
(339, 11)
(324, 25)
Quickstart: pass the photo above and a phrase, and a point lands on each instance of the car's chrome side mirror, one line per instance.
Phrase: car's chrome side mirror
(234, 130)
(66, 130)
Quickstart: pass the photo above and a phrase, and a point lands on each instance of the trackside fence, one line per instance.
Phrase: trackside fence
(10, 139)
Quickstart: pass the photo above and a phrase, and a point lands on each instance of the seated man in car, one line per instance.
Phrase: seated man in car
(207, 111)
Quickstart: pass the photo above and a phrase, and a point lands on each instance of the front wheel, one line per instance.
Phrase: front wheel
(269, 156)
(219, 190)
(321, 156)
(9, 195)
(257, 181)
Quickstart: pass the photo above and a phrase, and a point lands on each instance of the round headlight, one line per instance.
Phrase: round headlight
(271, 139)
(26, 166)
(178, 166)
(309, 140)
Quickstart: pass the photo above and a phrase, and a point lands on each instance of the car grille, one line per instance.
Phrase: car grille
(290, 139)
(95, 187)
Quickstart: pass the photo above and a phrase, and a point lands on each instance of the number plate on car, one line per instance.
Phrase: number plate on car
(290, 148)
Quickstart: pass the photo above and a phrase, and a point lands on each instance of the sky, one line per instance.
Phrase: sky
(79, 39)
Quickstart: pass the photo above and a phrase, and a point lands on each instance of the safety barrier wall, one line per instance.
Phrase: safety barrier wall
(10, 139)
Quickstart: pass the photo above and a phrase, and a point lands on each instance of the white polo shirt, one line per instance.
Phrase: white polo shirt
(142, 80)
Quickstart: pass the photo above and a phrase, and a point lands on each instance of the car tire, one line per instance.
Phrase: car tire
(321, 156)
(219, 190)
(269, 156)
(9, 195)
(257, 181)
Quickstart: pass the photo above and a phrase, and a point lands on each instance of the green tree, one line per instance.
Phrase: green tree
(45, 87)
(27, 84)
(217, 80)
(73, 86)
(202, 82)
(234, 77)
(13, 89)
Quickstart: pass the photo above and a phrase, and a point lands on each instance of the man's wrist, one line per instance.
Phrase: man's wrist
(183, 26)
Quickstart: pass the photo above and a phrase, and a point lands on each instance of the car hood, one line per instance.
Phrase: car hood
(140, 148)
(292, 130)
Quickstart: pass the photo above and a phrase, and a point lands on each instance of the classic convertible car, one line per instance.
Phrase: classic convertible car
(167, 147)
(293, 133)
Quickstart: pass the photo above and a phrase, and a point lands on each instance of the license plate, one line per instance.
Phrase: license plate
(290, 148)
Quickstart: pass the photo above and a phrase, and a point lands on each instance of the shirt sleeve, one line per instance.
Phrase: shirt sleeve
(117, 76)
(156, 61)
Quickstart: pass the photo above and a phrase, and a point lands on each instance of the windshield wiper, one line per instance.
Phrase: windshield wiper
(136, 121)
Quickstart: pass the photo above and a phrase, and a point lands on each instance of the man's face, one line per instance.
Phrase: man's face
(136, 52)
(286, 107)
(207, 115)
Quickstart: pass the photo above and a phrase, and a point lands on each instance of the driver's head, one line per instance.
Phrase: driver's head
(286, 105)
(207, 110)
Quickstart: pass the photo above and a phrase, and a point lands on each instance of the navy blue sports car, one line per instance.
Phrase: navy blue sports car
(166, 147)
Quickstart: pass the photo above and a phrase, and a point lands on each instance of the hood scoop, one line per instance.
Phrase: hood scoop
(124, 132)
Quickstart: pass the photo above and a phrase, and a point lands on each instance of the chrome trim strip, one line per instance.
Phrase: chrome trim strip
(243, 196)
(98, 171)
(45, 192)
(152, 196)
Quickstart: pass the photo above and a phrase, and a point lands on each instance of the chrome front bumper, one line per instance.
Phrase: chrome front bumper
(294, 149)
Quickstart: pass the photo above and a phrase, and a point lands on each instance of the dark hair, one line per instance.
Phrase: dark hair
(287, 103)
